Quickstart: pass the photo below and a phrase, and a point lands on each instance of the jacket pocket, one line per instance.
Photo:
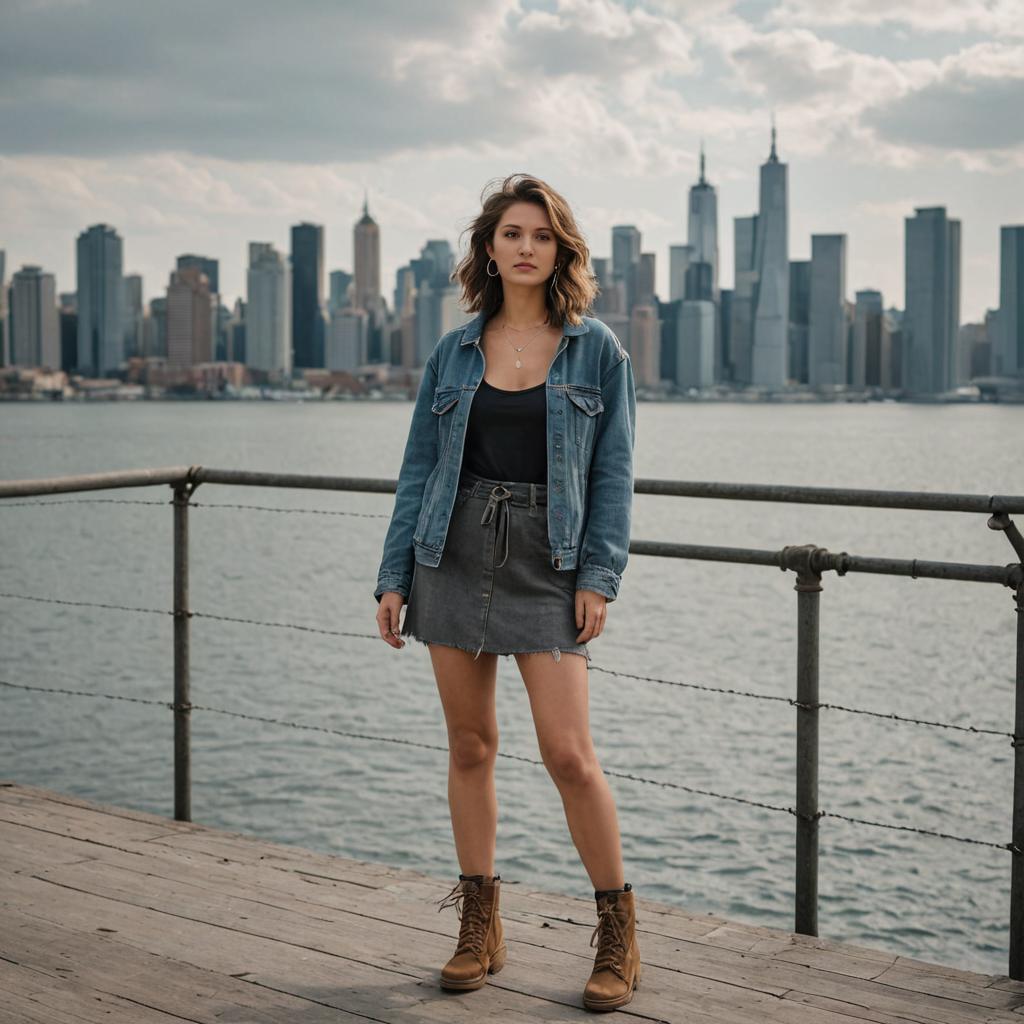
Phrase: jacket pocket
(445, 399)
(584, 405)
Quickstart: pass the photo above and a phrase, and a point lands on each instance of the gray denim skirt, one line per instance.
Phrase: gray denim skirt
(495, 589)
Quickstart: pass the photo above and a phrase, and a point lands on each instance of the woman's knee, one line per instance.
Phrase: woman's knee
(571, 764)
(471, 748)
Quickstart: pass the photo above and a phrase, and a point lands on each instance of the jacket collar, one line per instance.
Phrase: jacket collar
(474, 329)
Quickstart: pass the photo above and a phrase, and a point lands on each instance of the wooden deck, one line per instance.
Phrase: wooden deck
(118, 916)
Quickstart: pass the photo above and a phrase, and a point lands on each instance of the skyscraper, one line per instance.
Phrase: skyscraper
(268, 313)
(771, 262)
(190, 307)
(67, 317)
(644, 347)
(307, 295)
(1008, 350)
(869, 351)
(366, 246)
(434, 291)
(695, 338)
(931, 320)
(35, 325)
(741, 328)
(826, 347)
(679, 259)
(702, 227)
(799, 318)
(625, 256)
(134, 343)
(210, 267)
(340, 281)
(100, 262)
(644, 278)
(4, 355)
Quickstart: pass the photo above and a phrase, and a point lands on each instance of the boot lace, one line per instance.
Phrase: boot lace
(611, 949)
(470, 910)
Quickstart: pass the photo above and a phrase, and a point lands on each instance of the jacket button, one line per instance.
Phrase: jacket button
(558, 562)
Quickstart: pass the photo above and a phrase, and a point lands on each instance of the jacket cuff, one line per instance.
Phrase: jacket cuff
(599, 579)
(399, 582)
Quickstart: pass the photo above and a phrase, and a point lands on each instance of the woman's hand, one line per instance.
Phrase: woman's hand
(387, 617)
(591, 611)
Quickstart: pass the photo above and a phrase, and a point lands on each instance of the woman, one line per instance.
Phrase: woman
(509, 536)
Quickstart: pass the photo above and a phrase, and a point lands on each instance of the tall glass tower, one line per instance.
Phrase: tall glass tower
(769, 357)
(307, 295)
(100, 261)
(931, 321)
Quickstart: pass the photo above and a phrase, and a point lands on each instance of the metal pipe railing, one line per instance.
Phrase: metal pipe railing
(808, 561)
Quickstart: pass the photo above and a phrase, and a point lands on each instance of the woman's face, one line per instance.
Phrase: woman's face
(524, 246)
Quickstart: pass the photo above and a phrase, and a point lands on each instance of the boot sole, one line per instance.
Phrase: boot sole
(496, 963)
(614, 1004)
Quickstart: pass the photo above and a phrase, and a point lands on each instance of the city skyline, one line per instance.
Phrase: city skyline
(879, 110)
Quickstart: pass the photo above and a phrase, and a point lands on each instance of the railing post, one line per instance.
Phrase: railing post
(808, 587)
(1016, 966)
(182, 697)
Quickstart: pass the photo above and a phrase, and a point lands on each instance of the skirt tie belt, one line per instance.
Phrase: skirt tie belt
(497, 504)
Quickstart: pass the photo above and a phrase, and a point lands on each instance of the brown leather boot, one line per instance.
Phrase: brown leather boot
(481, 949)
(617, 964)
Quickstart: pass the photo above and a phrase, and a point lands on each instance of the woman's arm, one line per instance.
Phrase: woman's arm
(396, 565)
(604, 549)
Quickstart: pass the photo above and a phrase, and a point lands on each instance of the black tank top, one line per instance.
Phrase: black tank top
(506, 436)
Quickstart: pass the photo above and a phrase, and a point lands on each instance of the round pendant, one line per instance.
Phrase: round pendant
(518, 363)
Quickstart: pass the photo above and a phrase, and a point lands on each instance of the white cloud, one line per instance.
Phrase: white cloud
(119, 111)
(998, 17)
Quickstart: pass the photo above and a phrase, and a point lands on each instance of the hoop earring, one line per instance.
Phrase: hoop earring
(497, 272)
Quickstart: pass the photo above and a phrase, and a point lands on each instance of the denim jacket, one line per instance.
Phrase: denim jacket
(591, 429)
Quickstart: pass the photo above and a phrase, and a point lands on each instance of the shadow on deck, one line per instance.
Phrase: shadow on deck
(117, 915)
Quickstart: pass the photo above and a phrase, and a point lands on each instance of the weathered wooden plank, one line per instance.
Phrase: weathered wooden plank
(88, 826)
(21, 793)
(296, 954)
(948, 982)
(750, 988)
(278, 904)
(304, 972)
(135, 989)
(32, 997)
(755, 976)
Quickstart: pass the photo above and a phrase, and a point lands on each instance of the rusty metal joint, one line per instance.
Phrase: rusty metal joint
(184, 490)
(998, 521)
(804, 560)
(1002, 521)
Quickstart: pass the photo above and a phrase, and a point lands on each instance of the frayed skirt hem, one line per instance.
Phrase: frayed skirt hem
(555, 652)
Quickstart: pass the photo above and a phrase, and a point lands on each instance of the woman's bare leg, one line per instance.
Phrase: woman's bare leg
(559, 700)
(466, 687)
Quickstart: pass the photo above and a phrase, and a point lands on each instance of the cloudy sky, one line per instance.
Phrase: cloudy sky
(197, 127)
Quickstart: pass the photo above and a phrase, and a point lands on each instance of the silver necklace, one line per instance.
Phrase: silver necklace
(519, 348)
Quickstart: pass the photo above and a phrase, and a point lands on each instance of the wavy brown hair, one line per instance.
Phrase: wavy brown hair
(575, 286)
